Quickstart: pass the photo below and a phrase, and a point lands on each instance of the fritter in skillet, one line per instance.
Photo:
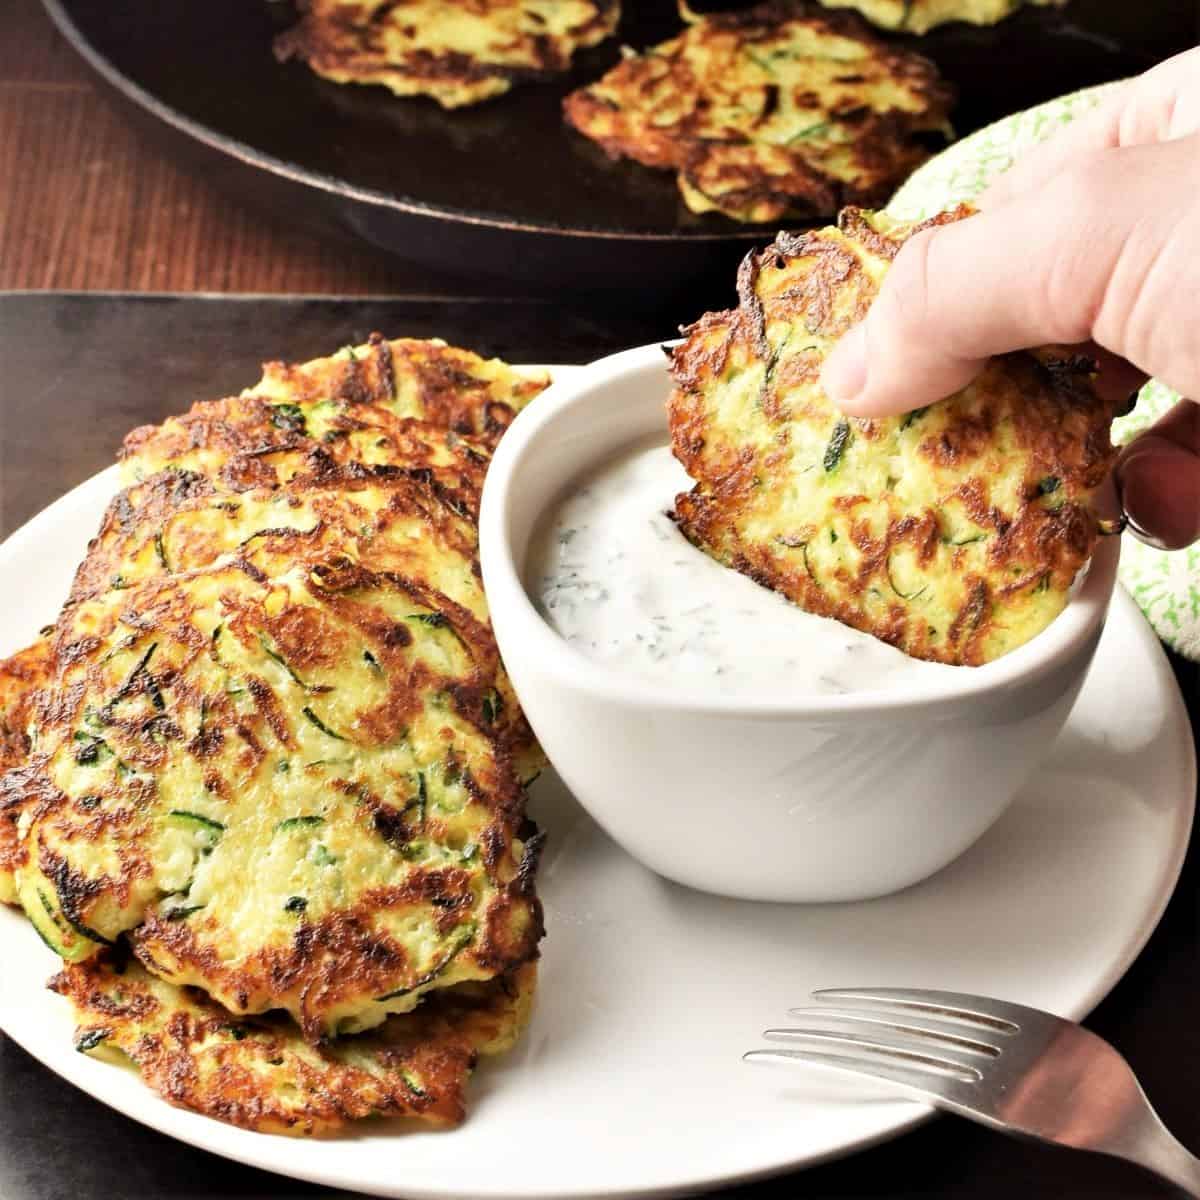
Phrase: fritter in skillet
(457, 51)
(953, 532)
(784, 109)
(920, 16)
(260, 1074)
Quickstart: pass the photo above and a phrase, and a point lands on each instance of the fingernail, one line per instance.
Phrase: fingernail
(1129, 508)
(845, 373)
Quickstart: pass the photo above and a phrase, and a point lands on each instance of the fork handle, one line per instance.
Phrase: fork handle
(1154, 1147)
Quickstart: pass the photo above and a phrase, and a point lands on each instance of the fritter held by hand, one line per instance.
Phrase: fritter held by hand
(953, 532)
(782, 109)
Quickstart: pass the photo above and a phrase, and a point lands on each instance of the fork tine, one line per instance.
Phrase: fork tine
(854, 1045)
(938, 1033)
(998, 1016)
(920, 1084)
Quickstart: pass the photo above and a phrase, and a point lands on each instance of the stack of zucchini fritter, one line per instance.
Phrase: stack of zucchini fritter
(264, 784)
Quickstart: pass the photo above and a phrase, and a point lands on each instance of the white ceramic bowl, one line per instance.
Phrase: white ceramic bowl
(822, 798)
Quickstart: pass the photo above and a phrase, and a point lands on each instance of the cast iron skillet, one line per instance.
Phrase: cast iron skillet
(505, 189)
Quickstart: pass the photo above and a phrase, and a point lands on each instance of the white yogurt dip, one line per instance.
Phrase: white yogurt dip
(612, 574)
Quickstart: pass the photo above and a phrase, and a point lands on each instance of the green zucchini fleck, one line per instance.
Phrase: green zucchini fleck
(420, 800)
(275, 656)
(1051, 483)
(434, 620)
(809, 132)
(914, 415)
(89, 1039)
(372, 661)
(161, 550)
(312, 716)
(295, 904)
(92, 751)
(288, 417)
(837, 445)
(463, 937)
(902, 595)
(410, 1082)
(493, 706)
(179, 914)
(298, 823)
(199, 822)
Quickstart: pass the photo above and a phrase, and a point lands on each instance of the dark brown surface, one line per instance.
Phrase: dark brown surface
(85, 202)
(504, 190)
(76, 377)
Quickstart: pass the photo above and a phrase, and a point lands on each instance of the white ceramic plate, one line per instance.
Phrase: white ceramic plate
(630, 1079)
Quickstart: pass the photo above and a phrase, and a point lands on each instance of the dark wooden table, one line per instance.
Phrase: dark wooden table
(83, 205)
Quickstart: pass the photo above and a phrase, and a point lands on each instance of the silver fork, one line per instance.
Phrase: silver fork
(1016, 1069)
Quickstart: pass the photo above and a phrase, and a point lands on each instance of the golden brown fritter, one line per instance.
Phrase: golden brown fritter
(411, 518)
(349, 406)
(920, 16)
(21, 677)
(287, 778)
(260, 1074)
(457, 51)
(784, 109)
(953, 532)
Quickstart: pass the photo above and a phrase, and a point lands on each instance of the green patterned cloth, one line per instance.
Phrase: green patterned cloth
(1165, 585)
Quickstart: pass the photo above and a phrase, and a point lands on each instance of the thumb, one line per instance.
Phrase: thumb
(1005, 279)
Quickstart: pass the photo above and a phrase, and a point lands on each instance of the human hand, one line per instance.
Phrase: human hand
(1094, 236)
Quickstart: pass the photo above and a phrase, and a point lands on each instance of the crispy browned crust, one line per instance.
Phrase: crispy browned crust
(157, 528)
(257, 1073)
(735, 167)
(1045, 400)
(371, 394)
(348, 43)
(21, 677)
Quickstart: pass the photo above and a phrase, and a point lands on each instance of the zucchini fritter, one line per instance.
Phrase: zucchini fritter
(457, 51)
(21, 677)
(286, 779)
(260, 1074)
(348, 405)
(270, 747)
(953, 532)
(920, 16)
(784, 109)
(407, 518)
